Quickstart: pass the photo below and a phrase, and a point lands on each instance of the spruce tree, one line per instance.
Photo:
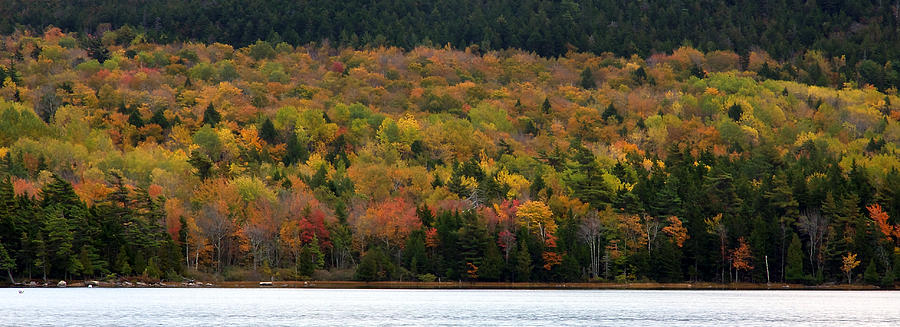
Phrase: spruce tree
(267, 132)
(523, 263)
(870, 275)
(794, 268)
(7, 263)
(587, 79)
(211, 117)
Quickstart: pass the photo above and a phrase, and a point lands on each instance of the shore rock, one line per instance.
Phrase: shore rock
(61, 283)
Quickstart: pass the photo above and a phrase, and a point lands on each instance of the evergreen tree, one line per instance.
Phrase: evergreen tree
(492, 265)
(135, 119)
(267, 132)
(523, 263)
(611, 112)
(87, 265)
(59, 239)
(545, 107)
(122, 264)
(152, 271)
(295, 151)
(201, 163)
(735, 112)
(870, 276)
(159, 118)
(667, 263)
(794, 268)
(587, 79)
(6, 262)
(211, 117)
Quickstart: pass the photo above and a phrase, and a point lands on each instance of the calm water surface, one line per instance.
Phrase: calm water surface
(326, 307)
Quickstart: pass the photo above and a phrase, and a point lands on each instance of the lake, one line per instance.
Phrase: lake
(349, 307)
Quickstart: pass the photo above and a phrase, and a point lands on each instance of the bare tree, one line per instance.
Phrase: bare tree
(814, 225)
(651, 228)
(215, 225)
(590, 231)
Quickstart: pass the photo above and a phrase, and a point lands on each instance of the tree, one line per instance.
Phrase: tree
(7, 263)
(211, 117)
(870, 275)
(794, 267)
(735, 112)
(545, 107)
(587, 79)
(881, 221)
(590, 232)
(389, 223)
(267, 132)
(135, 119)
(201, 163)
(295, 151)
(59, 240)
(676, 231)
(717, 227)
(740, 258)
(535, 216)
(814, 225)
(611, 112)
(122, 264)
(94, 47)
(523, 263)
(159, 118)
(849, 263)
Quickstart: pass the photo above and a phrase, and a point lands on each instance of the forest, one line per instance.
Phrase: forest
(122, 156)
(863, 34)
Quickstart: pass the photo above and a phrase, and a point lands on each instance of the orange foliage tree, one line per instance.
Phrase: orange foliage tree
(740, 258)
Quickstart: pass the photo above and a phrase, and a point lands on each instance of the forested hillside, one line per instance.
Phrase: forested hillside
(122, 157)
(861, 37)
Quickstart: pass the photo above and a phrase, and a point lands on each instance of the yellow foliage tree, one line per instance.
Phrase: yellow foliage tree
(536, 216)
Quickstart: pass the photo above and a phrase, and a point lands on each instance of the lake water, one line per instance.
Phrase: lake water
(330, 307)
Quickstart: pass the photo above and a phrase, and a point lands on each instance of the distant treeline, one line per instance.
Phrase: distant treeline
(866, 32)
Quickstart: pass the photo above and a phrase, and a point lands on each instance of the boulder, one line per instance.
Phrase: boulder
(61, 283)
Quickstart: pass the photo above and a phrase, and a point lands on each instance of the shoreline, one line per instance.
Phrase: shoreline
(463, 285)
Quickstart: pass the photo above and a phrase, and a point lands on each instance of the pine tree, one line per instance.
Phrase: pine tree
(587, 79)
(523, 263)
(268, 133)
(135, 119)
(7, 263)
(87, 265)
(122, 264)
(545, 107)
(211, 117)
(870, 275)
(159, 118)
(794, 268)
(492, 265)
(295, 151)
(152, 271)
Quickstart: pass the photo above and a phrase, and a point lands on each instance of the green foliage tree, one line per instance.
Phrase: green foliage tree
(523, 263)
(587, 79)
(268, 133)
(794, 268)
(7, 263)
(211, 116)
(870, 275)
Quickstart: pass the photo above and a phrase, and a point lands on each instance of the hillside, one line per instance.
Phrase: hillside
(378, 163)
(859, 39)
